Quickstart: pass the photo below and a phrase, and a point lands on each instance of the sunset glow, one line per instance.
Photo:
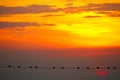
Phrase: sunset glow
(65, 25)
(59, 39)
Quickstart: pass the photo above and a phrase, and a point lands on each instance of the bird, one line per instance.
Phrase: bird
(108, 67)
(36, 66)
(19, 66)
(9, 66)
(62, 67)
(78, 67)
(54, 67)
(98, 67)
(88, 68)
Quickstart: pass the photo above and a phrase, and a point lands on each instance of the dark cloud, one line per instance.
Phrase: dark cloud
(47, 9)
(47, 25)
(92, 16)
(104, 7)
(51, 15)
(27, 10)
(17, 24)
(110, 13)
(21, 24)
(94, 7)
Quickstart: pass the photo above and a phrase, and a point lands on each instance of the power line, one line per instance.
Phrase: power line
(58, 68)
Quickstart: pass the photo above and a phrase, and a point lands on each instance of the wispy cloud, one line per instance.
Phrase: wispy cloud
(35, 9)
(51, 15)
(110, 13)
(105, 8)
(27, 10)
(21, 24)
(92, 16)
(96, 7)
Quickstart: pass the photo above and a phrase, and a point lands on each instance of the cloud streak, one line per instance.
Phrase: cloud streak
(110, 14)
(35, 9)
(51, 15)
(92, 16)
(104, 7)
(21, 24)
(27, 10)
(110, 9)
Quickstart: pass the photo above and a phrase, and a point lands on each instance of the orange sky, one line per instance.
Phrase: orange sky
(59, 24)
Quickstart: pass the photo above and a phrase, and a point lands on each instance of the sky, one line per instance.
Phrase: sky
(59, 32)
